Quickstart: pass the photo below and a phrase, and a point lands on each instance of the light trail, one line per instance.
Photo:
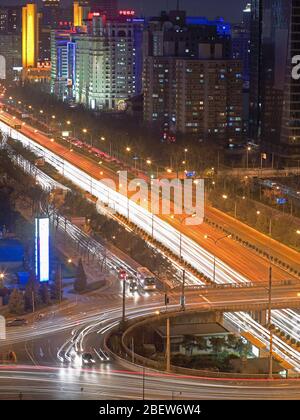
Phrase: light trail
(170, 237)
(191, 252)
(245, 323)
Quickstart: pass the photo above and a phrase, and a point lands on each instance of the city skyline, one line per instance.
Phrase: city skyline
(212, 9)
(150, 202)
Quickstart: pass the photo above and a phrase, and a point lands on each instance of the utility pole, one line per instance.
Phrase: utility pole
(60, 281)
(33, 303)
(123, 310)
(214, 274)
(269, 324)
(132, 349)
(168, 348)
(183, 291)
(180, 245)
(143, 383)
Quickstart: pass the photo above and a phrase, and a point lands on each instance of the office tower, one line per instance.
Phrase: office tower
(201, 97)
(274, 95)
(10, 41)
(191, 84)
(77, 14)
(62, 64)
(176, 34)
(241, 43)
(30, 35)
(81, 10)
(108, 61)
(51, 13)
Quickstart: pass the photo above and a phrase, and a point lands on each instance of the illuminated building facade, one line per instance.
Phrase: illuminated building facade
(274, 95)
(191, 84)
(81, 10)
(109, 61)
(200, 97)
(10, 42)
(63, 59)
(30, 35)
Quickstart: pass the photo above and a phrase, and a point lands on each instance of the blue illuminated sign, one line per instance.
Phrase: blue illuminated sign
(190, 174)
(281, 200)
(42, 235)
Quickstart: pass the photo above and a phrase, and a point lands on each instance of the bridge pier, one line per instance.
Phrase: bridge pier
(260, 316)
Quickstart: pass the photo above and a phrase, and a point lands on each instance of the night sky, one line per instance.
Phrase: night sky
(230, 9)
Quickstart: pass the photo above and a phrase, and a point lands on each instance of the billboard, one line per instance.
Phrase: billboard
(42, 235)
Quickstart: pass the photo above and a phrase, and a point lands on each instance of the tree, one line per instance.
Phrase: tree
(32, 298)
(232, 340)
(189, 343)
(217, 343)
(57, 290)
(16, 302)
(44, 294)
(80, 283)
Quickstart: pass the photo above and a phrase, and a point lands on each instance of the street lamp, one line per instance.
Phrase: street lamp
(85, 131)
(102, 138)
(216, 241)
(248, 150)
(2, 277)
(185, 152)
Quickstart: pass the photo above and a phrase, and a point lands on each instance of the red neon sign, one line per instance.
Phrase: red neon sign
(127, 12)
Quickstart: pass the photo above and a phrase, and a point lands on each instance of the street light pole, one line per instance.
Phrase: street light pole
(123, 303)
(269, 322)
(168, 349)
(214, 274)
(215, 242)
(143, 383)
(180, 245)
(183, 291)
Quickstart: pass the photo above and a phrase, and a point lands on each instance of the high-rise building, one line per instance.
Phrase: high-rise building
(30, 35)
(200, 97)
(107, 54)
(241, 43)
(81, 10)
(10, 41)
(53, 16)
(177, 35)
(51, 13)
(62, 63)
(191, 84)
(274, 95)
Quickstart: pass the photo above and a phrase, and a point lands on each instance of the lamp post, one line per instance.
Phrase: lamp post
(248, 150)
(85, 131)
(269, 323)
(216, 241)
(102, 138)
(2, 277)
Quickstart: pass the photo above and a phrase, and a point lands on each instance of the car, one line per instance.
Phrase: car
(133, 286)
(87, 359)
(18, 322)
